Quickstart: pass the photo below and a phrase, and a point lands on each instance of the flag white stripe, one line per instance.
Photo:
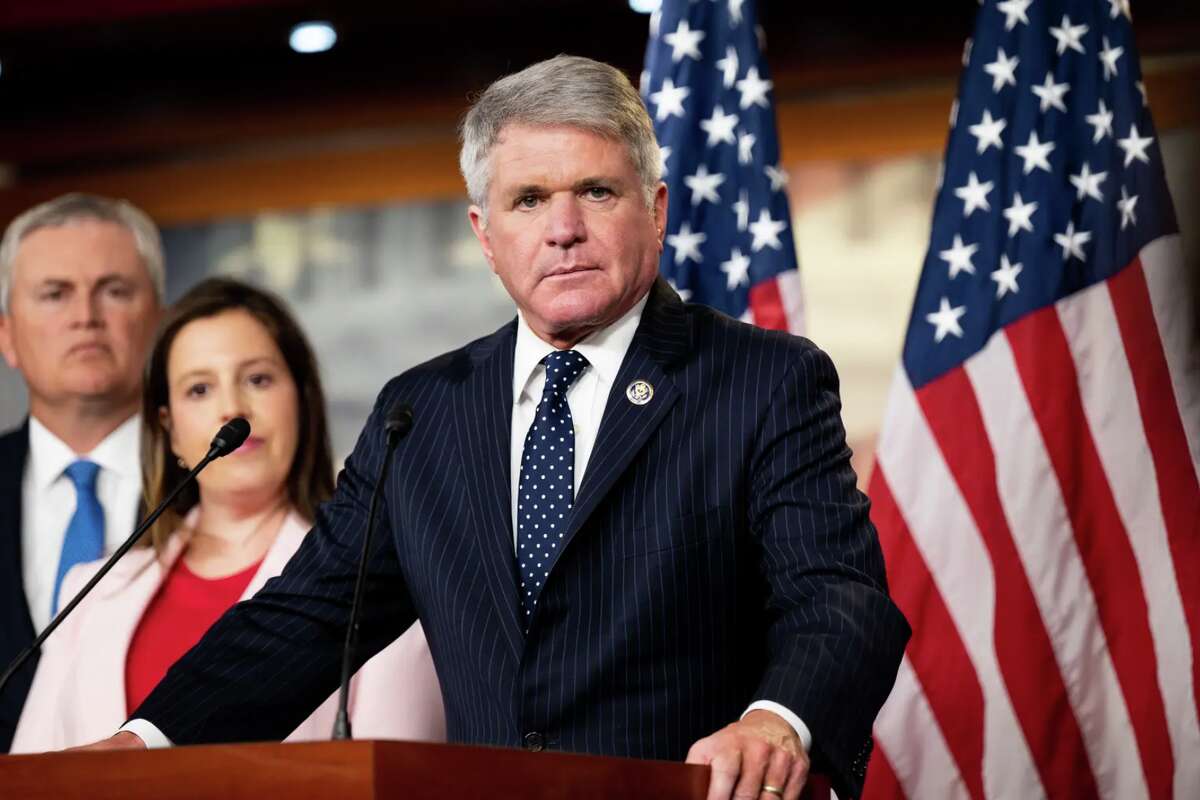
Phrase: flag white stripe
(925, 771)
(1041, 529)
(791, 293)
(1168, 283)
(948, 539)
(1110, 405)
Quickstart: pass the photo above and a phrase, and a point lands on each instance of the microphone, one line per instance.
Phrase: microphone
(396, 425)
(228, 439)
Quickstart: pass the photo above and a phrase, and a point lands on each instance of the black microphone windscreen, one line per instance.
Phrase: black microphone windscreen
(399, 421)
(230, 437)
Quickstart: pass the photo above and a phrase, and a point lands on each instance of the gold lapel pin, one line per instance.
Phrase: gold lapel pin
(639, 392)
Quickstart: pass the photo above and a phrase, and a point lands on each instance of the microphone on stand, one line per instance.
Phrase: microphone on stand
(228, 439)
(397, 424)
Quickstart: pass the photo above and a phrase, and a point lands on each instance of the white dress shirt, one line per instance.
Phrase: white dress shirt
(588, 395)
(48, 503)
(604, 350)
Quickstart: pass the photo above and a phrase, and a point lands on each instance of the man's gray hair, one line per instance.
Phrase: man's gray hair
(564, 90)
(74, 207)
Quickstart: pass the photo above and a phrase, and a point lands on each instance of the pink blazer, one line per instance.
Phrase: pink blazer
(78, 693)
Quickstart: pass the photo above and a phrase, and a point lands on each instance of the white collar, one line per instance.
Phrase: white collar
(49, 456)
(604, 349)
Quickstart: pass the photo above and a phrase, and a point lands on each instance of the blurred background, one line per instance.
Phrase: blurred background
(331, 177)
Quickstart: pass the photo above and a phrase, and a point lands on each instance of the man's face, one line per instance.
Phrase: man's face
(82, 313)
(567, 230)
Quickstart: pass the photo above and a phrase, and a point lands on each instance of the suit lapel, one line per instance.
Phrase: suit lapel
(483, 419)
(13, 455)
(661, 342)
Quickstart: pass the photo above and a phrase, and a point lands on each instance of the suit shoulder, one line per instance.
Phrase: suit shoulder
(451, 367)
(714, 329)
(15, 438)
(14, 447)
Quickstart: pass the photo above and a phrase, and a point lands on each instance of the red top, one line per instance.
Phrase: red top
(185, 607)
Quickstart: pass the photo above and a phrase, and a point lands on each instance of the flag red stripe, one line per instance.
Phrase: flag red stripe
(1179, 493)
(766, 304)
(1023, 648)
(1047, 370)
(938, 655)
(881, 783)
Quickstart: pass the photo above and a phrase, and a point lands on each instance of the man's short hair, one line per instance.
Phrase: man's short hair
(70, 208)
(564, 90)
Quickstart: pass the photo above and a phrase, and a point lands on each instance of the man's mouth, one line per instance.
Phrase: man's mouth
(570, 269)
(85, 348)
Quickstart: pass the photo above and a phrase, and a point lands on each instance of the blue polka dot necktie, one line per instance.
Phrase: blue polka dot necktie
(85, 532)
(546, 489)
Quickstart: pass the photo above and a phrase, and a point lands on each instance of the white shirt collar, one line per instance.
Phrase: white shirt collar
(604, 349)
(49, 456)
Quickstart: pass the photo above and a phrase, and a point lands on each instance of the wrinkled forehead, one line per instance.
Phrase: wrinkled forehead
(78, 249)
(522, 152)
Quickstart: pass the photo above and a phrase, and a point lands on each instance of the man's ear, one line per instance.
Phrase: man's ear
(660, 213)
(478, 219)
(6, 342)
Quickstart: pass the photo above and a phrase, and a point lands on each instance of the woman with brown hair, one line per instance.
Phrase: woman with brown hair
(225, 350)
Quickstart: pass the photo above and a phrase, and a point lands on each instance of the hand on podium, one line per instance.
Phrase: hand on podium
(760, 756)
(124, 740)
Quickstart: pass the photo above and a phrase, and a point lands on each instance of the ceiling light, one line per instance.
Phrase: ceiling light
(312, 37)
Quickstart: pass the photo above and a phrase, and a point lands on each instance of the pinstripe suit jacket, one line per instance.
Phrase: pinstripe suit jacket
(718, 553)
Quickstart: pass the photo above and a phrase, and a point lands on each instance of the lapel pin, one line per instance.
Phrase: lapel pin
(639, 392)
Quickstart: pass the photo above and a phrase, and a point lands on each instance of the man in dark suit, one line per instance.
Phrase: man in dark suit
(629, 525)
(80, 290)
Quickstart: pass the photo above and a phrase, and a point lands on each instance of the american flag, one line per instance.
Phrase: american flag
(1036, 489)
(729, 237)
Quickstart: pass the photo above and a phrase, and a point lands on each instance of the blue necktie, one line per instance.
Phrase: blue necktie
(546, 489)
(85, 533)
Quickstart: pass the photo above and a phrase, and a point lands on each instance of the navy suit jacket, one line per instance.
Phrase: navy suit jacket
(718, 553)
(16, 625)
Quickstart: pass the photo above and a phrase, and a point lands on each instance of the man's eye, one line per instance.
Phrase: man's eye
(599, 192)
(120, 291)
(52, 295)
(527, 201)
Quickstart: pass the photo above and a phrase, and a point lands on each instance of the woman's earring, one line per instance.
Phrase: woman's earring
(181, 463)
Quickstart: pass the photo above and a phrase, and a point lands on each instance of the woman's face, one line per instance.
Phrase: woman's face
(228, 366)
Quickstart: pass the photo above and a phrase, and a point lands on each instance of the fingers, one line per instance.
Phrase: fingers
(700, 752)
(778, 770)
(797, 778)
(756, 755)
(725, 769)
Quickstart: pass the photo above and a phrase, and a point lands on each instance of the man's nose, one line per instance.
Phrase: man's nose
(85, 310)
(565, 224)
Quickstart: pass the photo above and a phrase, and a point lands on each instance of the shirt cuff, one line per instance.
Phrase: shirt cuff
(791, 719)
(148, 733)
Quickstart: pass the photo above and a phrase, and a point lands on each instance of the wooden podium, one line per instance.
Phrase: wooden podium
(355, 770)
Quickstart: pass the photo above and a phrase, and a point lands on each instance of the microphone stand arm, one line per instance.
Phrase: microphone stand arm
(36, 645)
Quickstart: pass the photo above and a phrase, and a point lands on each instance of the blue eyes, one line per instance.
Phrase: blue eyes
(531, 201)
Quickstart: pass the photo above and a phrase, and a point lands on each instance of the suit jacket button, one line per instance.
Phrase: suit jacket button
(535, 742)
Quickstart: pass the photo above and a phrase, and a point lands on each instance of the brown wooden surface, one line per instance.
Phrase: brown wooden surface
(343, 771)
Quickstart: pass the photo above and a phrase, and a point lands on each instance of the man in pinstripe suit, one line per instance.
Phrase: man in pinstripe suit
(714, 590)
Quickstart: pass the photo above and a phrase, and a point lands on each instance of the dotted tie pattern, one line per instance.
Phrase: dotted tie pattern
(546, 490)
